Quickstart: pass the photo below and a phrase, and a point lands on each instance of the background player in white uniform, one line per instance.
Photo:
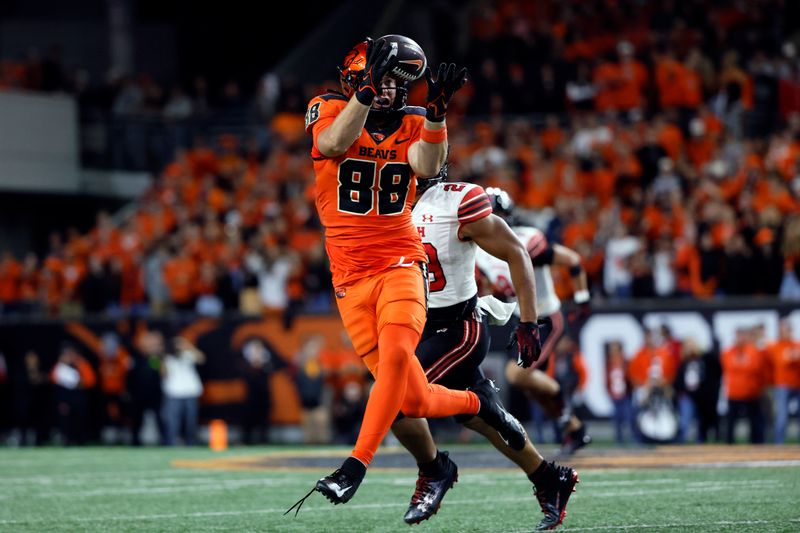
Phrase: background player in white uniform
(535, 380)
(454, 220)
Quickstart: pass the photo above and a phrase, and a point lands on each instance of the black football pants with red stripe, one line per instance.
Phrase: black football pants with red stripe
(451, 352)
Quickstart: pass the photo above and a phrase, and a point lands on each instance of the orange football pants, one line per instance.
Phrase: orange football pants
(384, 316)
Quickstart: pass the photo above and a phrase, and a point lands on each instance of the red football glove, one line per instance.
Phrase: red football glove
(529, 344)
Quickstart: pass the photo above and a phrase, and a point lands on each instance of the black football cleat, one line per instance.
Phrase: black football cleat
(430, 492)
(574, 441)
(553, 499)
(494, 414)
(338, 487)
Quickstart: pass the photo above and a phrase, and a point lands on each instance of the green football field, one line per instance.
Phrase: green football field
(248, 489)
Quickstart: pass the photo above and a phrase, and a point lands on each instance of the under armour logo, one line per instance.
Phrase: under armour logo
(427, 218)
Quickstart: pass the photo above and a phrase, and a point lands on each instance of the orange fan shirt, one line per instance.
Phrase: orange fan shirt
(785, 362)
(744, 370)
(364, 196)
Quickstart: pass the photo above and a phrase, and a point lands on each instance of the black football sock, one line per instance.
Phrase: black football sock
(544, 475)
(354, 468)
(433, 468)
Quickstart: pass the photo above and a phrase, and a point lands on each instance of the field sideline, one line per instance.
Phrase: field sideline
(248, 489)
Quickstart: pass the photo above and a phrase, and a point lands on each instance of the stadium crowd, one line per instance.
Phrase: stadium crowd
(661, 140)
(670, 164)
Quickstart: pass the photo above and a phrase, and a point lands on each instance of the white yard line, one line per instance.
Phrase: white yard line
(450, 502)
(675, 525)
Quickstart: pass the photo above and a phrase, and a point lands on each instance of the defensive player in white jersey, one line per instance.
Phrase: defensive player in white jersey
(454, 220)
(535, 380)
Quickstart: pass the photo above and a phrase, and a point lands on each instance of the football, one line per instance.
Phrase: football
(411, 58)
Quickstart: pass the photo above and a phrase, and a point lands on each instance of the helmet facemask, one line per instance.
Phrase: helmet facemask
(351, 72)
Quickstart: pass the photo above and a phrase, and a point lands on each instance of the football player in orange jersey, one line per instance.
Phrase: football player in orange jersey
(368, 149)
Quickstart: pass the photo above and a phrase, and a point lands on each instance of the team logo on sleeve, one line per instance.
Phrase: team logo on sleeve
(340, 293)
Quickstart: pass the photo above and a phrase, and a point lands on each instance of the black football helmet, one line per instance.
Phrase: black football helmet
(423, 184)
(411, 66)
(502, 204)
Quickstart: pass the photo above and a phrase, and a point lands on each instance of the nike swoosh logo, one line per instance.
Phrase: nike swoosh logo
(401, 141)
(417, 62)
(342, 491)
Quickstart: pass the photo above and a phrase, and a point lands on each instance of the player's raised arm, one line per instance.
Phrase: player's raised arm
(337, 138)
(494, 236)
(427, 156)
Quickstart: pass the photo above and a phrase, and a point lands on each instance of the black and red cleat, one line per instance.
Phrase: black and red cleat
(430, 491)
(553, 499)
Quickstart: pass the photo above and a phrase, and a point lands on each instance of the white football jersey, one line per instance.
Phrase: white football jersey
(496, 270)
(438, 216)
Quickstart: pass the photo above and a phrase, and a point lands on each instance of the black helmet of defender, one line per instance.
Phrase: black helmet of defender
(502, 204)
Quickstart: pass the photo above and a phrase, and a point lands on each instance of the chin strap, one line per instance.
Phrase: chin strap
(299, 503)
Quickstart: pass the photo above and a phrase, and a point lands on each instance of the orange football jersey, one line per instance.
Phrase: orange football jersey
(364, 196)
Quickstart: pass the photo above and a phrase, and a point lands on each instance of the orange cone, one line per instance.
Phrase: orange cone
(218, 435)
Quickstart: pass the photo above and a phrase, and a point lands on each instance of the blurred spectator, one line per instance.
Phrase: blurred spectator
(651, 373)
(129, 99)
(744, 373)
(310, 380)
(790, 282)
(739, 274)
(96, 287)
(256, 367)
(182, 388)
(154, 282)
(664, 268)
(347, 378)
(580, 91)
(73, 378)
(641, 272)
(672, 344)
(697, 385)
(619, 390)
(568, 368)
(114, 365)
(784, 358)
(32, 401)
(144, 384)
(768, 262)
(180, 273)
(179, 105)
(273, 279)
(617, 277)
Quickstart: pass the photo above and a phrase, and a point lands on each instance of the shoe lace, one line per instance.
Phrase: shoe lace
(299, 503)
(423, 486)
(337, 475)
